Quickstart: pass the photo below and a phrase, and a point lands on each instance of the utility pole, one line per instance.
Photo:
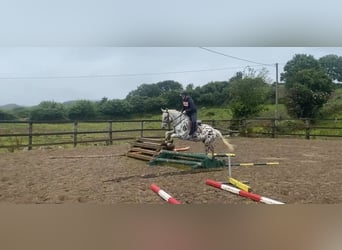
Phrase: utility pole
(276, 93)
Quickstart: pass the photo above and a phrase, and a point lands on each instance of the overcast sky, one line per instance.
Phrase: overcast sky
(71, 49)
(29, 75)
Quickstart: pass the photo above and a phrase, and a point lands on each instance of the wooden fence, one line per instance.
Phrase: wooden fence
(29, 134)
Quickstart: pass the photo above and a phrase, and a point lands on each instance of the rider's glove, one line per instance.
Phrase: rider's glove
(184, 112)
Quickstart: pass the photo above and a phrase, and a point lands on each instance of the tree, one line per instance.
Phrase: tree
(238, 76)
(213, 94)
(21, 112)
(149, 98)
(307, 86)
(297, 63)
(155, 89)
(6, 116)
(148, 90)
(189, 87)
(169, 86)
(307, 93)
(250, 72)
(82, 110)
(332, 65)
(247, 96)
(48, 111)
(170, 99)
(114, 108)
(137, 104)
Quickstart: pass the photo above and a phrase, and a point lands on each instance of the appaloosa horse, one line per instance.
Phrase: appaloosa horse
(181, 128)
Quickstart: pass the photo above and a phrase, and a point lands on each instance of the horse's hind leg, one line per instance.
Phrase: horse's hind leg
(211, 147)
(207, 147)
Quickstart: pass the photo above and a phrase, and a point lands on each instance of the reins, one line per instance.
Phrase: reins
(174, 125)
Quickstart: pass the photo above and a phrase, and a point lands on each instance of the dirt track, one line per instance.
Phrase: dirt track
(310, 172)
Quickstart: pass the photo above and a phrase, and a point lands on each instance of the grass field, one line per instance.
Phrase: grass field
(149, 123)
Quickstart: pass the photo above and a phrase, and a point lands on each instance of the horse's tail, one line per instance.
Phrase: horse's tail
(230, 146)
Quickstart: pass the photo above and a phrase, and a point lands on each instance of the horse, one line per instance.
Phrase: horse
(181, 128)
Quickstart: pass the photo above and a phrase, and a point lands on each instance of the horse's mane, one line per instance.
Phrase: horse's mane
(177, 112)
(173, 110)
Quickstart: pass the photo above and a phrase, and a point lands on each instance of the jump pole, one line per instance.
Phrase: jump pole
(163, 194)
(221, 154)
(242, 193)
(248, 164)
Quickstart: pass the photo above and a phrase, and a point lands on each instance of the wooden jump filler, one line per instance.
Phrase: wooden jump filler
(148, 148)
(145, 148)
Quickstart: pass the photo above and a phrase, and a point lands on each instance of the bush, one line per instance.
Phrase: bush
(7, 116)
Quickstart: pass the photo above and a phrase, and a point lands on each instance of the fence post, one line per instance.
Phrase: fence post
(274, 129)
(75, 134)
(111, 133)
(30, 135)
(307, 129)
(244, 126)
(142, 129)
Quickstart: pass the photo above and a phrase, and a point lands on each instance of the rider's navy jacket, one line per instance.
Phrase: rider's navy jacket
(189, 105)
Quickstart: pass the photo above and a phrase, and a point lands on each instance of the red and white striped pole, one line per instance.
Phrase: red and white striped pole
(163, 194)
(243, 193)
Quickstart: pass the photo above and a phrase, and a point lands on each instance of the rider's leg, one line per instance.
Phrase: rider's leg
(191, 125)
(193, 119)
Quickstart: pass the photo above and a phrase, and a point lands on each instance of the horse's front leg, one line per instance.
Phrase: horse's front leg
(168, 135)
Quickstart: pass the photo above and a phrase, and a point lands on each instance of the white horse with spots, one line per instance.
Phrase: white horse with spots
(181, 128)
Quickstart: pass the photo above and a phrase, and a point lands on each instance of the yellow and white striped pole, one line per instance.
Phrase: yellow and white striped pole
(239, 184)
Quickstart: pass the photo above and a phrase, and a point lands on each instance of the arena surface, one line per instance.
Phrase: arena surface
(309, 172)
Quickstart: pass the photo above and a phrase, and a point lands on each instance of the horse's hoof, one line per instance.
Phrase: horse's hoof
(170, 146)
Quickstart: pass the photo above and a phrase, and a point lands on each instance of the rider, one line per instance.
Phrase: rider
(189, 108)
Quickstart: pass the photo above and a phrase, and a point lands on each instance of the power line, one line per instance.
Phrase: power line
(235, 57)
(116, 75)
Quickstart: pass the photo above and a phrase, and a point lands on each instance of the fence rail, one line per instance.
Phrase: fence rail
(20, 134)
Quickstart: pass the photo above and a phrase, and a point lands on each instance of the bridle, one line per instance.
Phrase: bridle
(168, 119)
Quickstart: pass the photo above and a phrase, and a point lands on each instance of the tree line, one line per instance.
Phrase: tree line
(308, 83)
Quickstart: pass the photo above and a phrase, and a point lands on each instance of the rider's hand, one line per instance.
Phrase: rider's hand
(184, 112)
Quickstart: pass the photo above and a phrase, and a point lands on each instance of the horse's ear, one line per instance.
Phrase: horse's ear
(163, 110)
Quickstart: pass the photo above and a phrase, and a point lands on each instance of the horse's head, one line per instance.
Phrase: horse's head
(165, 118)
